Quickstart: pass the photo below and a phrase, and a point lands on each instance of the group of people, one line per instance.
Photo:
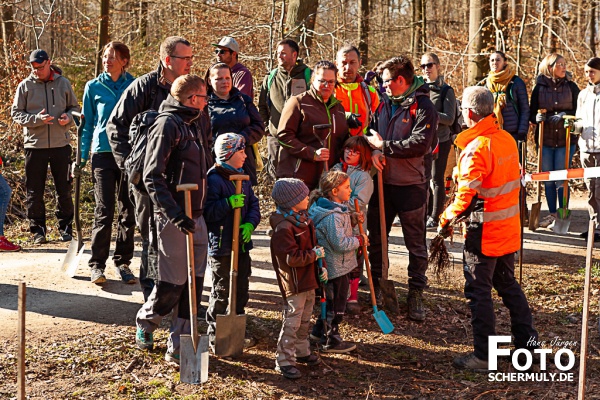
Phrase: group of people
(329, 131)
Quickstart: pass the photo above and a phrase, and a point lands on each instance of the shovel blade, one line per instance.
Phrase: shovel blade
(193, 367)
(72, 258)
(383, 321)
(229, 335)
(534, 216)
(562, 221)
(388, 295)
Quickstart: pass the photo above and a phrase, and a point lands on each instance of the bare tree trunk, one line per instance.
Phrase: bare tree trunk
(520, 37)
(479, 11)
(513, 8)
(417, 24)
(102, 33)
(300, 22)
(143, 23)
(552, 39)
(363, 31)
(592, 36)
(8, 31)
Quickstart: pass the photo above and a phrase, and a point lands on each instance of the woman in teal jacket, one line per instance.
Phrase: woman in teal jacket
(99, 98)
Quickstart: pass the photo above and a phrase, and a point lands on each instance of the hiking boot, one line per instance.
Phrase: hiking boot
(364, 281)
(547, 221)
(289, 371)
(144, 340)
(378, 296)
(416, 312)
(65, 236)
(470, 362)
(310, 360)
(97, 276)
(6, 245)
(39, 238)
(353, 308)
(431, 223)
(126, 274)
(340, 348)
(269, 232)
(172, 358)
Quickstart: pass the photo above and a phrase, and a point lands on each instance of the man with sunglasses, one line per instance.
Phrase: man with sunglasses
(227, 51)
(43, 106)
(147, 93)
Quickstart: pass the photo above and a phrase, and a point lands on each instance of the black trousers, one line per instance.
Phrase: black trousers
(437, 174)
(144, 218)
(36, 167)
(481, 275)
(109, 182)
(408, 202)
(336, 294)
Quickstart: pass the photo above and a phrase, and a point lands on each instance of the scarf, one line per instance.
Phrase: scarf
(497, 83)
(417, 83)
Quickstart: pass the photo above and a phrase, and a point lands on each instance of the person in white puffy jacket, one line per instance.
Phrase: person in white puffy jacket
(588, 125)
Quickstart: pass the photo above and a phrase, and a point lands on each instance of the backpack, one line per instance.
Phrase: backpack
(138, 137)
(456, 125)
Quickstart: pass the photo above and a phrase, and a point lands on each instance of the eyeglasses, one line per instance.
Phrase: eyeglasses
(41, 67)
(198, 95)
(428, 65)
(561, 64)
(351, 151)
(187, 59)
(323, 82)
(222, 51)
(386, 81)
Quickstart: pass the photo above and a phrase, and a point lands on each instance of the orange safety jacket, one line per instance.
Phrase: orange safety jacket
(489, 180)
(353, 98)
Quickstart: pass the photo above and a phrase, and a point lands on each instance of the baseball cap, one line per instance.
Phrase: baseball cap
(38, 56)
(229, 43)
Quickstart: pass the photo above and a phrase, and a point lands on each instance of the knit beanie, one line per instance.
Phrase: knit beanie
(594, 62)
(227, 144)
(287, 192)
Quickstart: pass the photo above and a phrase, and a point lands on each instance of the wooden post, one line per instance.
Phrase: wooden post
(21, 333)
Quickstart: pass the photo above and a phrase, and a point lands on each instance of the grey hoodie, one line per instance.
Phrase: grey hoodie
(334, 234)
(34, 95)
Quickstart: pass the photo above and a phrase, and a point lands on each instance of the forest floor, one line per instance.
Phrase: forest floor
(80, 337)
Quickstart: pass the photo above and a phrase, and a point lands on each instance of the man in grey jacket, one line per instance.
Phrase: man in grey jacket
(43, 106)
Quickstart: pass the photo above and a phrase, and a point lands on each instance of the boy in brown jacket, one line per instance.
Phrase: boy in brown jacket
(294, 252)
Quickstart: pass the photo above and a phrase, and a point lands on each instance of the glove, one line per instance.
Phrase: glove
(323, 275)
(184, 223)
(247, 229)
(539, 117)
(236, 200)
(353, 120)
(578, 128)
(319, 251)
(76, 169)
(445, 231)
(555, 119)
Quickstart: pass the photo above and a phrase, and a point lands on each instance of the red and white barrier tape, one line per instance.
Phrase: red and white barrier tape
(564, 174)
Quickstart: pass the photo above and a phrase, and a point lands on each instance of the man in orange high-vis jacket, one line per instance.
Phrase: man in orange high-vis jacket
(488, 195)
(359, 99)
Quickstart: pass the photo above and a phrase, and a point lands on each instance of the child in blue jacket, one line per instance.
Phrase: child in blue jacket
(221, 200)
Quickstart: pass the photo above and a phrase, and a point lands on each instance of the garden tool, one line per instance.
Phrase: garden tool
(317, 131)
(563, 214)
(231, 328)
(534, 216)
(388, 291)
(193, 366)
(522, 206)
(382, 320)
(323, 298)
(76, 248)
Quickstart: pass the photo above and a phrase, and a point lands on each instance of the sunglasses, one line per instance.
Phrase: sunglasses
(222, 51)
(198, 95)
(428, 65)
(41, 67)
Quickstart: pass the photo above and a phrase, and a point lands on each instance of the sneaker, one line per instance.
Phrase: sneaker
(6, 245)
(144, 340)
(396, 222)
(353, 308)
(416, 312)
(340, 348)
(39, 238)
(547, 221)
(431, 223)
(126, 274)
(364, 281)
(172, 358)
(378, 296)
(66, 237)
(289, 371)
(310, 360)
(469, 361)
(97, 276)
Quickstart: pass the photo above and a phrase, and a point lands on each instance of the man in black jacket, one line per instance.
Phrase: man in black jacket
(145, 93)
(178, 152)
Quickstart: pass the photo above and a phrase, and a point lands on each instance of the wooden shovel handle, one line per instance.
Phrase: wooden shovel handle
(367, 265)
(235, 247)
(385, 267)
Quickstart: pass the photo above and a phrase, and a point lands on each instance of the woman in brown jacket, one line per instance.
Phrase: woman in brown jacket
(307, 144)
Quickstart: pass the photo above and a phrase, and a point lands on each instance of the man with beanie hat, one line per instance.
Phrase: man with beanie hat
(221, 200)
(294, 252)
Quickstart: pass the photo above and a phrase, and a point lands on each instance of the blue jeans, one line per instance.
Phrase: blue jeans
(553, 158)
(5, 192)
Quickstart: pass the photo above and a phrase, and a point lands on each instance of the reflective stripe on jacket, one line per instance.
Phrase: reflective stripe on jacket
(353, 99)
(488, 189)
